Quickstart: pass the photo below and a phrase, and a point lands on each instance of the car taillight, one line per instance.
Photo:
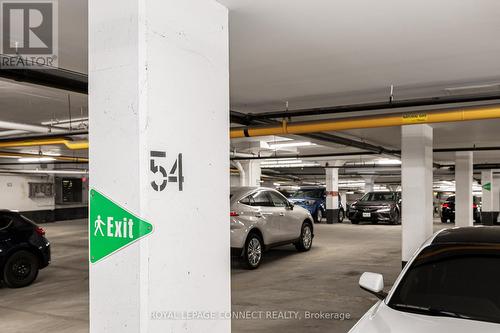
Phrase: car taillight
(445, 205)
(40, 231)
(474, 206)
(233, 214)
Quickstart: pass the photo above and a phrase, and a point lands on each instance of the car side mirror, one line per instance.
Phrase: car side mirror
(373, 283)
(290, 205)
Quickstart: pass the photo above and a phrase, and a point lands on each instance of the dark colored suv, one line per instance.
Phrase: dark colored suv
(448, 210)
(24, 250)
(375, 207)
(313, 199)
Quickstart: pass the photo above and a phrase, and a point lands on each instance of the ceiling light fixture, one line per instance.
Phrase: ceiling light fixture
(291, 144)
(35, 159)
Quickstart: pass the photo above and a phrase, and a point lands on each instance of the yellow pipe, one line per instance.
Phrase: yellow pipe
(398, 119)
(45, 142)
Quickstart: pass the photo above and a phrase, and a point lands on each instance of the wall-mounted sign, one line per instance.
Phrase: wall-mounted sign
(414, 117)
(111, 227)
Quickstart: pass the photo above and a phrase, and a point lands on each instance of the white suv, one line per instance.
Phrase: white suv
(262, 218)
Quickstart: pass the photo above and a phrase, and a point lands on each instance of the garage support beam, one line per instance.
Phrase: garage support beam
(416, 183)
(159, 106)
(252, 173)
(369, 183)
(332, 195)
(488, 214)
(496, 196)
(463, 192)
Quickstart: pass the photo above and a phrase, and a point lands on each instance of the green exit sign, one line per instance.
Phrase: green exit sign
(111, 227)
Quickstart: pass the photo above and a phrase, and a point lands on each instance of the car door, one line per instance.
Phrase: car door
(6, 241)
(288, 223)
(267, 216)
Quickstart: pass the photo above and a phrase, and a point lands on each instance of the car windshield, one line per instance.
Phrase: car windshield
(309, 193)
(452, 280)
(378, 196)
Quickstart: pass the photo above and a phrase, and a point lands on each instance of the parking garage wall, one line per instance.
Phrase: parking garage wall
(34, 197)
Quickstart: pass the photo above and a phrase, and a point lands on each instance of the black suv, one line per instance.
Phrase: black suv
(24, 250)
(375, 207)
(448, 210)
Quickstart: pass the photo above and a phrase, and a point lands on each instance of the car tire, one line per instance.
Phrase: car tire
(20, 269)
(318, 216)
(306, 237)
(444, 220)
(341, 216)
(254, 249)
(355, 221)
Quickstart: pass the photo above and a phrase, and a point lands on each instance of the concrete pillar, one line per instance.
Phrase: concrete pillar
(496, 196)
(332, 195)
(463, 191)
(416, 184)
(343, 200)
(158, 106)
(252, 173)
(369, 183)
(488, 213)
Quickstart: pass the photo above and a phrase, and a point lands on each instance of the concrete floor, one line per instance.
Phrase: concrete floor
(321, 280)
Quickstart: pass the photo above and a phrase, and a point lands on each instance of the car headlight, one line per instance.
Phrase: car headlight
(384, 210)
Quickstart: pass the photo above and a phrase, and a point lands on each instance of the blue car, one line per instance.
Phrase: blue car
(314, 200)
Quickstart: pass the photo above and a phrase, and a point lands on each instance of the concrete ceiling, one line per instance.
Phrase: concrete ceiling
(309, 52)
(315, 48)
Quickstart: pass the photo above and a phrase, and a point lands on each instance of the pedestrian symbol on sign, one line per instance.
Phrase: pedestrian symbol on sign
(98, 225)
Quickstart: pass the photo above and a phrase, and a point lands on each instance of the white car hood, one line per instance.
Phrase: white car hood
(382, 319)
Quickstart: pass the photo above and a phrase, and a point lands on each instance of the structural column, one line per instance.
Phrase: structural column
(158, 106)
(252, 173)
(488, 213)
(416, 183)
(332, 195)
(496, 196)
(369, 183)
(463, 192)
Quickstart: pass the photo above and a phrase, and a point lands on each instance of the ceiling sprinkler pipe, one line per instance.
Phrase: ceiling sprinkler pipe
(45, 172)
(27, 127)
(399, 119)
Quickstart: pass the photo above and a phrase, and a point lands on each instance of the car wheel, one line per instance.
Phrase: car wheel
(355, 221)
(444, 220)
(318, 217)
(252, 255)
(21, 269)
(306, 238)
(341, 216)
